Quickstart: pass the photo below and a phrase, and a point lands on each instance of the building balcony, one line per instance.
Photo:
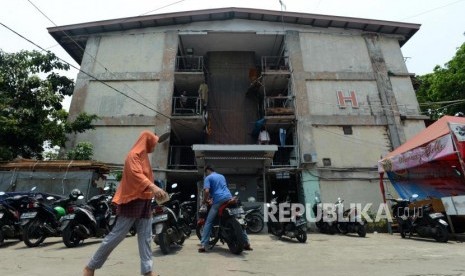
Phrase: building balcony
(189, 64)
(286, 156)
(279, 105)
(181, 158)
(275, 64)
(187, 106)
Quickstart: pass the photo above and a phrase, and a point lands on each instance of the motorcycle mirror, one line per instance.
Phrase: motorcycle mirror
(192, 196)
(273, 192)
(174, 185)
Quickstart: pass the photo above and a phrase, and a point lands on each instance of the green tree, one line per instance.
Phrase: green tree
(443, 91)
(31, 112)
(82, 151)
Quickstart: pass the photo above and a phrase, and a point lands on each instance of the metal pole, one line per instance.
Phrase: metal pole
(264, 184)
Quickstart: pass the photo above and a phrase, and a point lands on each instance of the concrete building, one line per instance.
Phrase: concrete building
(334, 94)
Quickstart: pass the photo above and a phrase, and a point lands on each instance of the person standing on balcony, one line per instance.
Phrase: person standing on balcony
(263, 136)
(203, 94)
(133, 199)
(183, 99)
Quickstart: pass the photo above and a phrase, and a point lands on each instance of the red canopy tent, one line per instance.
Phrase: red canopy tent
(431, 163)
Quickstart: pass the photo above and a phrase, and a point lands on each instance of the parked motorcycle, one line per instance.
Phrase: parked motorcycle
(293, 227)
(349, 221)
(188, 209)
(325, 223)
(423, 221)
(11, 208)
(168, 224)
(400, 211)
(41, 220)
(228, 227)
(90, 220)
(254, 219)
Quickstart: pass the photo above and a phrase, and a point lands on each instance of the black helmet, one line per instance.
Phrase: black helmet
(75, 193)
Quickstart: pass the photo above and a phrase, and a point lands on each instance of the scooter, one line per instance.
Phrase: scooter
(293, 227)
(11, 208)
(228, 227)
(168, 223)
(325, 223)
(425, 223)
(254, 219)
(90, 220)
(42, 218)
(349, 221)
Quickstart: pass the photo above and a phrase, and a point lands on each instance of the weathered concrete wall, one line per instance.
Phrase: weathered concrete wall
(352, 191)
(405, 95)
(140, 66)
(334, 53)
(361, 149)
(322, 97)
(413, 127)
(392, 55)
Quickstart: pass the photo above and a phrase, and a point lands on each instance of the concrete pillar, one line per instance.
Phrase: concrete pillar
(388, 99)
(165, 95)
(304, 128)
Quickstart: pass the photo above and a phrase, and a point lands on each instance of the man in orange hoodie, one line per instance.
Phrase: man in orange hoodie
(133, 199)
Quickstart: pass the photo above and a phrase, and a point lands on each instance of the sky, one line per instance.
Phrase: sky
(442, 22)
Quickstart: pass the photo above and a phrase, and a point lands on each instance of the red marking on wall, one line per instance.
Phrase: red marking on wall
(343, 99)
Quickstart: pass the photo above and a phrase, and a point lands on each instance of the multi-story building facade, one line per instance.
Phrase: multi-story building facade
(334, 94)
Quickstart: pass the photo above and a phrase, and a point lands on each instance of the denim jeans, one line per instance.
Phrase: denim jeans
(207, 228)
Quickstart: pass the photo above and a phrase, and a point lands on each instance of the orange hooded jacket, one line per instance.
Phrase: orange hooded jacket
(137, 172)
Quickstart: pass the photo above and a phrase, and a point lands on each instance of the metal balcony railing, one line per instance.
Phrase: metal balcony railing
(187, 106)
(189, 64)
(286, 156)
(271, 63)
(181, 157)
(279, 105)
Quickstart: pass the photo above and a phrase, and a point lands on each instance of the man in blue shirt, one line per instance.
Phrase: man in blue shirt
(215, 189)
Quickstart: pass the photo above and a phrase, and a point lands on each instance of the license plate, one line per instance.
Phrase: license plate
(28, 215)
(300, 222)
(1, 215)
(160, 218)
(236, 211)
(68, 217)
(436, 215)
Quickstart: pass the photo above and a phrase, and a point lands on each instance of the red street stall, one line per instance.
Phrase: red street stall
(431, 165)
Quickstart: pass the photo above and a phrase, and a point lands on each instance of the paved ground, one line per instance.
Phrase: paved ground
(377, 254)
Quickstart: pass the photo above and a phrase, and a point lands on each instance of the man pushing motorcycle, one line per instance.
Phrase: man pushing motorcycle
(216, 193)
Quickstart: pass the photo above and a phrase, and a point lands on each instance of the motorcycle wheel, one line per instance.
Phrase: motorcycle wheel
(70, 239)
(235, 239)
(302, 236)
(33, 235)
(276, 229)
(255, 224)
(133, 230)
(199, 231)
(442, 235)
(401, 230)
(341, 229)
(362, 231)
(164, 243)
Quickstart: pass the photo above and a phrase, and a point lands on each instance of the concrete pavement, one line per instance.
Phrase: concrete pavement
(377, 254)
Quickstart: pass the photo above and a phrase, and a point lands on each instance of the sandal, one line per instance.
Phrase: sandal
(202, 250)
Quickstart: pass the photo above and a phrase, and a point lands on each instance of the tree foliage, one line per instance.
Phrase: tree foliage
(443, 91)
(82, 151)
(31, 92)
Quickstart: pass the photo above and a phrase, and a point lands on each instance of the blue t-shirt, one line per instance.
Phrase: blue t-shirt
(218, 188)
